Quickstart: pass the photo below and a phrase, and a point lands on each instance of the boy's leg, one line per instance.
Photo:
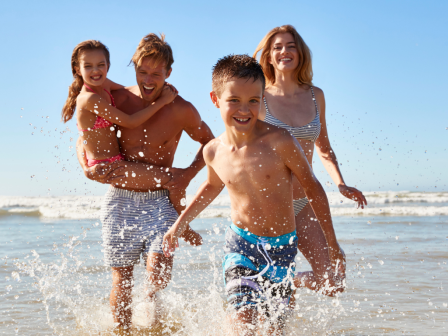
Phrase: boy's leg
(121, 295)
(313, 245)
(243, 321)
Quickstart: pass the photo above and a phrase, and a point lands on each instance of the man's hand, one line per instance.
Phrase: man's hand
(170, 242)
(180, 179)
(104, 172)
(353, 194)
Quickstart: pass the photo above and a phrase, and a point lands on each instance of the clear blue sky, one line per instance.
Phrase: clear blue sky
(382, 66)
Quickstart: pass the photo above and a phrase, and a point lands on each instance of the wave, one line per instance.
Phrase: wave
(388, 203)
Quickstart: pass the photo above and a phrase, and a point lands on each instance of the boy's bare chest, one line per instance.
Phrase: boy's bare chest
(245, 169)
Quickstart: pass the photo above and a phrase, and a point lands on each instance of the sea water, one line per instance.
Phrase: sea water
(53, 280)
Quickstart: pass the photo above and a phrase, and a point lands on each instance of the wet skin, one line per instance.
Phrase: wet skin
(153, 144)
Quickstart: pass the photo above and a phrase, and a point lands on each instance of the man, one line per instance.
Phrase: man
(134, 221)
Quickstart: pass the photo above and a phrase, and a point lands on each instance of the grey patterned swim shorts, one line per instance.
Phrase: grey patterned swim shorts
(134, 224)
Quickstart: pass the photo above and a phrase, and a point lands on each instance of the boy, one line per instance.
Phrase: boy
(254, 160)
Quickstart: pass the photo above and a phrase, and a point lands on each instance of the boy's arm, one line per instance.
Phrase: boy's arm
(207, 192)
(295, 160)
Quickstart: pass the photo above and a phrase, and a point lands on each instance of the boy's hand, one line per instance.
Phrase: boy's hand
(168, 94)
(170, 242)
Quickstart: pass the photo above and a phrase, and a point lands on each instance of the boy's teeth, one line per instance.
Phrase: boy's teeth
(240, 119)
(148, 88)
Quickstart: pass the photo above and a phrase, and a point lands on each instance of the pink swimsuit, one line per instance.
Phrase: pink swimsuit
(101, 123)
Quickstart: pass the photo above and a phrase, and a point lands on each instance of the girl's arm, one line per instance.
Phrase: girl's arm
(95, 104)
(328, 157)
(112, 85)
(207, 192)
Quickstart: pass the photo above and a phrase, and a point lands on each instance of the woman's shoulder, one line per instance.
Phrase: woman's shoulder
(318, 92)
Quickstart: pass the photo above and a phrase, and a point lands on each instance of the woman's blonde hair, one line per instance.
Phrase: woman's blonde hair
(304, 70)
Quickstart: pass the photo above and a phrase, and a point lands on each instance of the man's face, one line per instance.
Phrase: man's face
(240, 103)
(151, 78)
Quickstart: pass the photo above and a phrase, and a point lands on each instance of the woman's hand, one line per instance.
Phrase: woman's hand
(353, 194)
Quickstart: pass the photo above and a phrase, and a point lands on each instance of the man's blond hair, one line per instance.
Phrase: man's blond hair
(156, 48)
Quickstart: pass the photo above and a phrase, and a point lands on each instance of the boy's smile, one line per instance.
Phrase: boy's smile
(239, 103)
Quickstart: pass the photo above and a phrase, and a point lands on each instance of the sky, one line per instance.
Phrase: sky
(381, 64)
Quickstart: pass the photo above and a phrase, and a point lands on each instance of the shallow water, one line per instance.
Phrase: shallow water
(53, 280)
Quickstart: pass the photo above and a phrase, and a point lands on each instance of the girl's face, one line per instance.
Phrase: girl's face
(92, 67)
(283, 55)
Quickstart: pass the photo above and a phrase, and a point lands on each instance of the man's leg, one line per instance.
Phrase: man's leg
(121, 295)
(158, 268)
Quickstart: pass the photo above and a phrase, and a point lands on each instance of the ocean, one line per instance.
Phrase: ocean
(53, 281)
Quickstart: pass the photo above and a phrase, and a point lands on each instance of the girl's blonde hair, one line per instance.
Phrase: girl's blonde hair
(73, 91)
(304, 70)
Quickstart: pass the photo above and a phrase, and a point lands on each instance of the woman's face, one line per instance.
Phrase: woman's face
(92, 67)
(284, 56)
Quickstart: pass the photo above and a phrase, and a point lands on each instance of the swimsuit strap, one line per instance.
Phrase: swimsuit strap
(110, 95)
(314, 100)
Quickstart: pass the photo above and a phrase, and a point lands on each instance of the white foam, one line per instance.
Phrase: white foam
(389, 203)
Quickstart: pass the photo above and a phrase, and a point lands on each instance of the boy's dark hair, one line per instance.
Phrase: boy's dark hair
(236, 66)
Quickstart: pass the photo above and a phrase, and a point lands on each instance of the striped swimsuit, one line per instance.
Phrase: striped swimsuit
(309, 132)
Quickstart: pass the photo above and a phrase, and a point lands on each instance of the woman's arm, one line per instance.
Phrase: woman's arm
(328, 157)
(95, 104)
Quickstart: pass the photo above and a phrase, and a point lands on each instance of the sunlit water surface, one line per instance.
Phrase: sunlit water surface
(53, 281)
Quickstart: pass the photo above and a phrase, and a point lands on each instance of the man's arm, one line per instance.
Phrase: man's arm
(295, 160)
(207, 192)
(103, 173)
(200, 132)
(141, 176)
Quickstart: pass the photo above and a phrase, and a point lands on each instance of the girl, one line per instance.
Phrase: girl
(293, 103)
(97, 114)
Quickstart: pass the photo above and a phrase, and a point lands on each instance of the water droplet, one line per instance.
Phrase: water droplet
(118, 134)
(141, 154)
(381, 262)
(112, 128)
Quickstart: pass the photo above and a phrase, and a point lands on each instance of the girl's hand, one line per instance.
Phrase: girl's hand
(169, 93)
(353, 194)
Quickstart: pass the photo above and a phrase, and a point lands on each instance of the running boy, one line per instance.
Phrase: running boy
(255, 161)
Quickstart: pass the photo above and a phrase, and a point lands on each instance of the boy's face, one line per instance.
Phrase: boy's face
(240, 103)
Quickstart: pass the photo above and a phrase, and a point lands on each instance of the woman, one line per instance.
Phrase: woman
(293, 103)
